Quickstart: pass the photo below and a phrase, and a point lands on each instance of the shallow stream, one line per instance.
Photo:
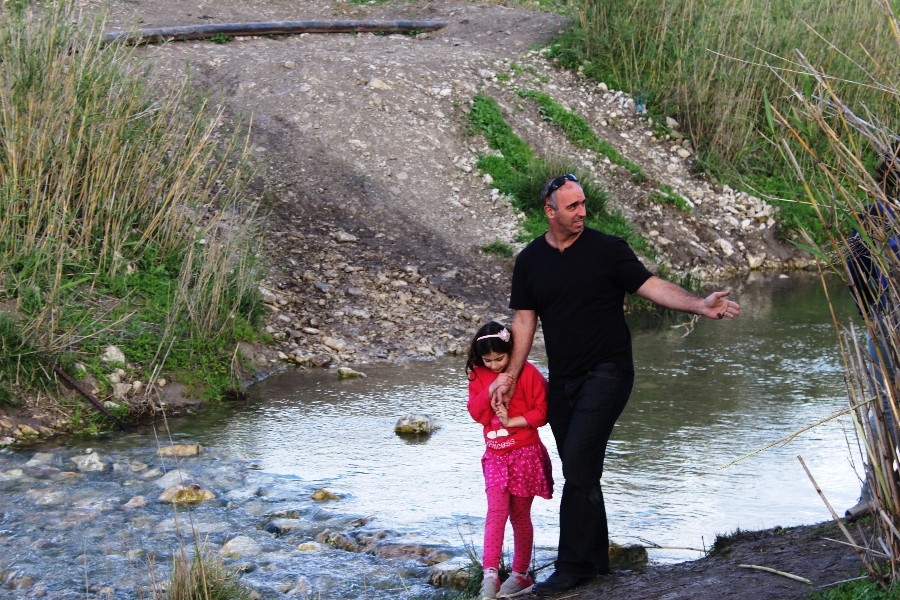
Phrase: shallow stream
(700, 402)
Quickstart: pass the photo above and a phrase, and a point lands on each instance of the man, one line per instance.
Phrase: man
(872, 290)
(574, 279)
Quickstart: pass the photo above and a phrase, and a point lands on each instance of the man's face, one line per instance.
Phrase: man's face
(570, 211)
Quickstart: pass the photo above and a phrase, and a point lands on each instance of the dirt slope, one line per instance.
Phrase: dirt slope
(376, 213)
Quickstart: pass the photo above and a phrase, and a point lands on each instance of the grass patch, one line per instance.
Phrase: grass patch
(20, 364)
(499, 248)
(204, 577)
(220, 38)
(723, 542)
(666, 195)
(579, 132)
(856, 590)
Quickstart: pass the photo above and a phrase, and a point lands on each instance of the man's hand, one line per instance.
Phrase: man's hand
(667, 294)
(501, 390)
(717, 307)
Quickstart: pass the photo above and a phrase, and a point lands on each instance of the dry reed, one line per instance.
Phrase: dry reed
(110, 181)
(842, 189)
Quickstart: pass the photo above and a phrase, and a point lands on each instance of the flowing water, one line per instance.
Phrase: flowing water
(700, 402)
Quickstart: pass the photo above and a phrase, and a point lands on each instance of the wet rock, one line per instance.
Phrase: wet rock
(453, 573)
(348, 373)
(632, 557)
(40, 459)
(310, 547)
(245, 493)
(281, 526)
(321, 495)
(424, 553)
(180, 450)
(339, 540)
(301, 588)
(136, 502)
(239, 547)
(415, 424)
(174, 477)
(186, 494)
(91, 462)
(51, 497)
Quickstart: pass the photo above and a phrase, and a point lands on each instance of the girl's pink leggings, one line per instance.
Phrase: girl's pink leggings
(502, 505)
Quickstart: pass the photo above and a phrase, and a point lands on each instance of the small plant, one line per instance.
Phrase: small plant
(666, 195)
(20, 364)
(855, 590)
(220, 38)
(498, 248)
(203, 577)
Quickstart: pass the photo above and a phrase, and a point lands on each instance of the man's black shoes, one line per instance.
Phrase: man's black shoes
(559, 582)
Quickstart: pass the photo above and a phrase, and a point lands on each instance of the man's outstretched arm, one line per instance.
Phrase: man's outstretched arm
(668, 295)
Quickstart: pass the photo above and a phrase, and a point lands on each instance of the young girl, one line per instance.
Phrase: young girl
(516, 464)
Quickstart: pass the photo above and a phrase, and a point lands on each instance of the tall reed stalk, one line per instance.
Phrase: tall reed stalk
(842, 190)
(121, 202)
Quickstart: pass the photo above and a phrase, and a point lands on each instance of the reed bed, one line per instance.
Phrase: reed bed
(715, 66)
(842, 189)
(121, 211)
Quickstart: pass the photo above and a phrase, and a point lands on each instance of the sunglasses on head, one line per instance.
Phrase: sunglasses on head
(557, 183)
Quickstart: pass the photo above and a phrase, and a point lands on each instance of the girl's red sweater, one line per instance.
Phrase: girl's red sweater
(529, 401)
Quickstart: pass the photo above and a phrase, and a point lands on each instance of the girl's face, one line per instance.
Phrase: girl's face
(495, 361)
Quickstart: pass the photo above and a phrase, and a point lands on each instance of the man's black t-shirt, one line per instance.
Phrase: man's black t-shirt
(579, 296)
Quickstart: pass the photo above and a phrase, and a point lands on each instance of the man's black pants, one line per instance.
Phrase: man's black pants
(582, 413)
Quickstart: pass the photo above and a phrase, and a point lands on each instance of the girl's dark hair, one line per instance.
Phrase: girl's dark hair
(479, 348)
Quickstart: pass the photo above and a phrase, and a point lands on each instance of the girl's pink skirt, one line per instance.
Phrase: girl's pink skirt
(524, 471)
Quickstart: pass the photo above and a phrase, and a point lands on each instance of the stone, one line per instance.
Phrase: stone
(632, 557)
(453, 573)
(348, 373)
(113, 355)
(186, 494)
(180, 450)
(321, 494)
(415, 424)
(91, 462)
(136, 502)
(239, 547)
(755, 261)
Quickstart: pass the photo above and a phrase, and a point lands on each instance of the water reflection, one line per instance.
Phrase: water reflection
(700, 401)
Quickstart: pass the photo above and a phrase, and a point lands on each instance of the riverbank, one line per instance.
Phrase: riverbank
(750, 565)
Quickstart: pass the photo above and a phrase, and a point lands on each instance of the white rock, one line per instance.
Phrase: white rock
(240, 546)
(112, 354)
(725, 246)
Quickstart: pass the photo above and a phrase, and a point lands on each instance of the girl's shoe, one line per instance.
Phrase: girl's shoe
(490, 585)
(516, 585)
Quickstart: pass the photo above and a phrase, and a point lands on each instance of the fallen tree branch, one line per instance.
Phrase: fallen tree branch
(88, 396)
(777, 572)
(190, 32)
